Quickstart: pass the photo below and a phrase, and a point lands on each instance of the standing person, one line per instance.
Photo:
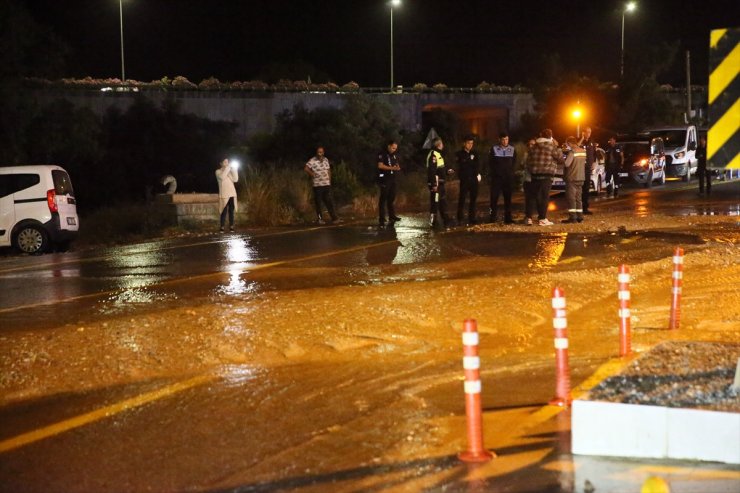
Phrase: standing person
(614, 160)
(319, 169)
(704, 173)
(574, 175)
(590, 147)
(527, 185)
(226, 176)
(387, 166)
(469, 172)
(542, 163)
(501, 174)
(436, 174)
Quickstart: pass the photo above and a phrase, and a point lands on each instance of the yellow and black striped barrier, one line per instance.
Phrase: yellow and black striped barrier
(723, 140)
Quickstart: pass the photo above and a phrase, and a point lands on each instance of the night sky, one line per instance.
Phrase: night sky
(460, 43)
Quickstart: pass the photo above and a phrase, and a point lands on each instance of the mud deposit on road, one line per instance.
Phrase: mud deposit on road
(386, 321)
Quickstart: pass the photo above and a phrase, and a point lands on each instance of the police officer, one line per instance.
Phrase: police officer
(705, 175)
(387, 167)
(469, 173)
(501, 175)
(590, 147)
(436, 174)
(614, 160)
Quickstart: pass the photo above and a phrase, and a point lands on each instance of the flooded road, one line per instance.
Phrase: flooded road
(329, 359)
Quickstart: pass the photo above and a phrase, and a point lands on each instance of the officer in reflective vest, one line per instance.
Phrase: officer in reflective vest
(436, 174)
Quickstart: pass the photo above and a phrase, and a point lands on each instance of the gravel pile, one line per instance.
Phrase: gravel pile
(695, 375)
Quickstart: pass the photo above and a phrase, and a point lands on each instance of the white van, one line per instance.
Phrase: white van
(680, 149)
(37, 208)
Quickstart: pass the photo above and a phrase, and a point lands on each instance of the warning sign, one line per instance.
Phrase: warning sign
(723, 139)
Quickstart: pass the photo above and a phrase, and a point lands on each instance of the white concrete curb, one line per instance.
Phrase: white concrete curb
(631, 430)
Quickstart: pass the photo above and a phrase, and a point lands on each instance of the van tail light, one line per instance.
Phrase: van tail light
(51, 200)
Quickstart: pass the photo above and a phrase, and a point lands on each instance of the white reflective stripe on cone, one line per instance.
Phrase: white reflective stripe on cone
(624, 313)
(473, 387)
(471, 362)
(623, 278)
(676, 290)
(560, 323)
(677, 274)
(561, 343)
(470, 338)
(678, 259)
(623, 295)
(558, 302)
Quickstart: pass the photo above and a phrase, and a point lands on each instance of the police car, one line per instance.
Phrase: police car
(644, 161)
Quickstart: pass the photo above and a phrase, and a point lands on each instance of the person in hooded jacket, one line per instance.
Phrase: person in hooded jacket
(226, 176)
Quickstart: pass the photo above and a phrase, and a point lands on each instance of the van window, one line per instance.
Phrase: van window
(15, 183)
(62, 183)
(671, 138)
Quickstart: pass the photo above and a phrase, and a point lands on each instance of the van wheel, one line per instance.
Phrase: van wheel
(31, 239)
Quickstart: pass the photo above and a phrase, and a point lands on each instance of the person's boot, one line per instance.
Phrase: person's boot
(572, 218)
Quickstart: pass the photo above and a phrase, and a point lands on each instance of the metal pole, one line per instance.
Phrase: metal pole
(621, 60)
(688, 85)
(120, 14)
(392, 48)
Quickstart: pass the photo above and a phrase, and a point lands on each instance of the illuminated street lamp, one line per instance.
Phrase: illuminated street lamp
(577, 114)
(120, 15)
(627, 8)
(394, 3)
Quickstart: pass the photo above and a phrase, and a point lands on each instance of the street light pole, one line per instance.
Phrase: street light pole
(394, 3)
(628, 8)
(120, 15)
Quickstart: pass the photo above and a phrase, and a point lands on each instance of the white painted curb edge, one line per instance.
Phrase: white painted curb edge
(631, 430)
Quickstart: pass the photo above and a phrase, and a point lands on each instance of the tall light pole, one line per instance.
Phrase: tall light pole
(120, 16)
(627, 8)
(394, 3)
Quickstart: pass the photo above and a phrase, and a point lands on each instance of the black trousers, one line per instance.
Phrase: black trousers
(468, 188)
(386, 200)
(323, 194)
(612, 174)
(539, 197)
(438, 202)
(586, 190)
(501, 184)
(704, 174)
(229, 209)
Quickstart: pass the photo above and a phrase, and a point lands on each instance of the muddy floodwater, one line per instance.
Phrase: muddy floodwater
(331, 359)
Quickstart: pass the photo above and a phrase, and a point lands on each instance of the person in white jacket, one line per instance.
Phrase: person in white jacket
(226, 176)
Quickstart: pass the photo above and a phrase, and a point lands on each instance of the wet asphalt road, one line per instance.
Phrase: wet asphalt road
(210, 434)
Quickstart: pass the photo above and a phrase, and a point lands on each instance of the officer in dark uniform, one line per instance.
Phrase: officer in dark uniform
(387, 167)
(613, 161)
(437, 172)
(469, 173)
(501, 174)
(590, 147)
(704, 173)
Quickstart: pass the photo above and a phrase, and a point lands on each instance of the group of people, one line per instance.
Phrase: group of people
(544, 156)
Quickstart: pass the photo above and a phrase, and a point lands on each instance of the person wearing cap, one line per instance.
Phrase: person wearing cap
(437, 172)
(501, 175)
(319, 169)
(469, 173)
(387, 166)
(226, 176)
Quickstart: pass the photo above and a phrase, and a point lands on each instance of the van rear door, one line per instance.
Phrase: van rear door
(65, 200)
